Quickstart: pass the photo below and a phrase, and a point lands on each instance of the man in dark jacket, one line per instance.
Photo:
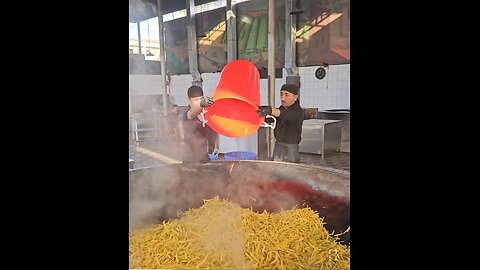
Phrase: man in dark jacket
(200, 139)
(288, 130)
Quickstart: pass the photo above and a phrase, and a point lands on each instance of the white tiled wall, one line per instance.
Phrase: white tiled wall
(332, 92)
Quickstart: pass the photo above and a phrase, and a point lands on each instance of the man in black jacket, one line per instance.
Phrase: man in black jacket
(200, 139)
(288, 130)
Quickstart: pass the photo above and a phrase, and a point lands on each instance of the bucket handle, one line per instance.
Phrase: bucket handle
(215, 152)
(202, 116)
(264, 124)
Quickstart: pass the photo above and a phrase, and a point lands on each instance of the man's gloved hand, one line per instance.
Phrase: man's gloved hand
(206, 101)
(264, 111)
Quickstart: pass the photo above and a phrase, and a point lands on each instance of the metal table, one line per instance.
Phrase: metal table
(321, 136)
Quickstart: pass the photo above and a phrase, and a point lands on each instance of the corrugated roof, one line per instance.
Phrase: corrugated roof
(140, 10)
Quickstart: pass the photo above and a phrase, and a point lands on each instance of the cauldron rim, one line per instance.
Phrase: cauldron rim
(340, 172)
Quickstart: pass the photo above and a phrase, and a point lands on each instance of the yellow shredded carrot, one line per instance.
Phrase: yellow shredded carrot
(221, 234)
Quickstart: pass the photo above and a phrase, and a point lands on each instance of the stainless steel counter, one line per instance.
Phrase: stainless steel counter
(339, 114)
(321, 136)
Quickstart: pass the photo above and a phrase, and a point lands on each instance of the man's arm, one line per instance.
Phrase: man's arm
(292, 115)
(193, 112)
(268, 110)
(276, 112)
(197, 106)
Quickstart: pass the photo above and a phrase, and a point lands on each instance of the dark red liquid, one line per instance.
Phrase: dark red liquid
(275, 196)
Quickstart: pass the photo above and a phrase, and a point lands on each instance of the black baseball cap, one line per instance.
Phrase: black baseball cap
(194, 91)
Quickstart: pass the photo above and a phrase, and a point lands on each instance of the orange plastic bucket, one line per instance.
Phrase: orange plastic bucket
(237, 97)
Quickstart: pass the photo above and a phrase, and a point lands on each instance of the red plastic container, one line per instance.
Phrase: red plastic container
(237, 97)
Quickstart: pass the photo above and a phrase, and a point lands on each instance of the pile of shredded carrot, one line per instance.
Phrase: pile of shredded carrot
(221, 234)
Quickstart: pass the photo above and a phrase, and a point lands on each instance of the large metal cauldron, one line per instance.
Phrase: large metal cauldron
(159, 193)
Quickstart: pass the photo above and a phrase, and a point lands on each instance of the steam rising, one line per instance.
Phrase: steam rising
(161, 193)
(156, 195)
(212, 232)
(150, 196)
(220, 234)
